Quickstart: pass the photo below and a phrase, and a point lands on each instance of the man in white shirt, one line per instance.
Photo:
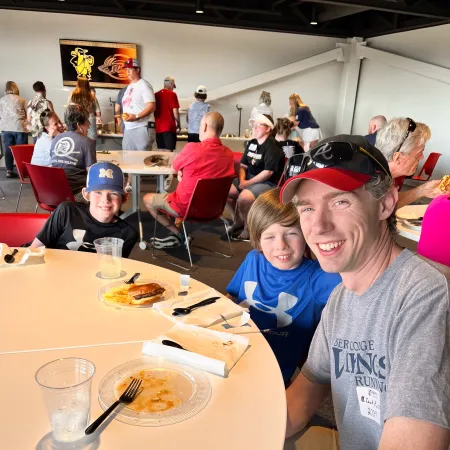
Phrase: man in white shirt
(138, 106)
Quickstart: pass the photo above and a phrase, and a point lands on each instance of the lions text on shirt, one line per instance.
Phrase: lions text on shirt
(386, 352)
(287, 302)
(135, 100)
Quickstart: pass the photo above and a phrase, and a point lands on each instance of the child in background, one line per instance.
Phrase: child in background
(284, 291)
(196, 112)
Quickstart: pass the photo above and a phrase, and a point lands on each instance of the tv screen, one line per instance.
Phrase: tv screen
(100, 62)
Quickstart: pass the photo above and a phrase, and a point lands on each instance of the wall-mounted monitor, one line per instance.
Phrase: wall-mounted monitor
(100, 62)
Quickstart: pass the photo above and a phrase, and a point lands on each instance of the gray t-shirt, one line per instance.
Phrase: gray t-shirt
(386, 352)
(74, 153)
(195, 115)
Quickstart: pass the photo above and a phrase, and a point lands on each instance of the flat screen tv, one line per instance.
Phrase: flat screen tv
(100, 62)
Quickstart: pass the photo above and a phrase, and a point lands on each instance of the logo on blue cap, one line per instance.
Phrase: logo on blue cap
(105, 176)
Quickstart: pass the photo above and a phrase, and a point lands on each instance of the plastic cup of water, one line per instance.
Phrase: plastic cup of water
(66, 385)
(109, 251)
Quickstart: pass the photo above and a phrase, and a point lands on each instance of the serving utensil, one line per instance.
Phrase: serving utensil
(9, 259)
(133, 279)
(189, 309)
(172, 344)
(131, 392)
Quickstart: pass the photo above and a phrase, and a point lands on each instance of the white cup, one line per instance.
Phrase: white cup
(109, 251)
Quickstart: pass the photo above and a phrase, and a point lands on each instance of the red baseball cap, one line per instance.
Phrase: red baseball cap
(131, 63)
(342, 179)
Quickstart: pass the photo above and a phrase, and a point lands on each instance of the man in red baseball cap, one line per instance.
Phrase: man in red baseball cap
(390, 387)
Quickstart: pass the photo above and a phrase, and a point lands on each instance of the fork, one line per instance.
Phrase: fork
(131, 392)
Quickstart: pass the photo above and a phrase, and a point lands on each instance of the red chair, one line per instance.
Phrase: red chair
(22, 154)
(428, 167)
(203, 207)
(50, 186)
(17, 229)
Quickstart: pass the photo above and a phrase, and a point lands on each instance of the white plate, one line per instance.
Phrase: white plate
(168, 294)
(188, 385)
(408, 224)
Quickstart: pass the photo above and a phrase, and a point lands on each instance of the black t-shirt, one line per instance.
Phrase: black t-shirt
(294, 165)
(71, 227)
(265, 156)
(290, 148)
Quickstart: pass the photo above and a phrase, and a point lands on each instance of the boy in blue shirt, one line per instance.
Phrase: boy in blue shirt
(284, 291)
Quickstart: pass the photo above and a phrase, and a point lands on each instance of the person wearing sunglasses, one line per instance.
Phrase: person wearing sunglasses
(382, 342)
(402, 142)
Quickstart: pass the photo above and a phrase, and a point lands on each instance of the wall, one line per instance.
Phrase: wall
(395, 93)
(192, 54)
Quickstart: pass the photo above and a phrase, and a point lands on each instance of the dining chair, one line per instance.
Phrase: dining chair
(203, 208)
(50, 186)
(22, 154)
(428, 167)
(17, 229)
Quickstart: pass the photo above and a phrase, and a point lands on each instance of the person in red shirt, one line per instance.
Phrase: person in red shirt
(167, 116)
(198, 160)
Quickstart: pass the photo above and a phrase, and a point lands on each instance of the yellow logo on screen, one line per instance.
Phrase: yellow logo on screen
(82, 62)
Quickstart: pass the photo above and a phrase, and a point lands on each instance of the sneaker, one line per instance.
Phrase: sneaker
(128, 188)
(168, 242)
(242, 236)
(11, 174)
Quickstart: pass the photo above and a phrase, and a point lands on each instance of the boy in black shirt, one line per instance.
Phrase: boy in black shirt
(75, 226)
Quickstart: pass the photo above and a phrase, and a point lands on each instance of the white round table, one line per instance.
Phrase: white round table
(54, 306)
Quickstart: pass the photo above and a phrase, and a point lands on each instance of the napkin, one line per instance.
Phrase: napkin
(209, 350)
(204, 316)
(24, 257)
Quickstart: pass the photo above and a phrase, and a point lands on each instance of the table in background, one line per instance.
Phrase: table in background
(403, 230)
(132, 163)
(54, 306)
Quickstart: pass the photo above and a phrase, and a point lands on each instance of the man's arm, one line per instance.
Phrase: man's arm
(429, 189)
(303, 399)
(242, 173)
(260, 178)
(176, 114)
(402, 433)
(149, 108)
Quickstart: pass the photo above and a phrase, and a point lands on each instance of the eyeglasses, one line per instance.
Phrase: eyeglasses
(411, 127)
(342, 155)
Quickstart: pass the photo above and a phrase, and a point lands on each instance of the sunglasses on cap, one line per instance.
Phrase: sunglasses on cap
(342, 155)
(411, 128)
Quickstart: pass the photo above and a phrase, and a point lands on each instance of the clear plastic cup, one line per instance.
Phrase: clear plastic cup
(109, 251)
(66, 385)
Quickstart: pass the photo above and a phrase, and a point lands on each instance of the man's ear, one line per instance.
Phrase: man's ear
(388, 203)
(396, 157)
(85, 194)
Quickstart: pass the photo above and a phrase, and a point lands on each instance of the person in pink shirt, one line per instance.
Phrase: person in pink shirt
(198, 160)
(434, 243)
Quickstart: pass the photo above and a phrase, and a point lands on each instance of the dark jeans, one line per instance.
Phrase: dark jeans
(193, 137)
(12, 138)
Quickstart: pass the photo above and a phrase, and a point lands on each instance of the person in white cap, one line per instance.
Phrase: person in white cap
(196, 112)
(261, 168)
(167, 116)
(138, 106)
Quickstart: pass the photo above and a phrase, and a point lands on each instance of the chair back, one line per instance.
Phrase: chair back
(209, 199)
(17, 229)
(50, 186)
(430, 164)
(22, 154)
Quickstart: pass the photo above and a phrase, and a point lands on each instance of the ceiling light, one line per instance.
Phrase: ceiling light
(199, 7)
(313, 17)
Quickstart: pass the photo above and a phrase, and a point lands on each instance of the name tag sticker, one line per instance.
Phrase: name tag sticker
(252, 147)
(369, 403)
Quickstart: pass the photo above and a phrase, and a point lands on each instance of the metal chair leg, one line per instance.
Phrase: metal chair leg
(35, 209)
(187, 245)
(219, 253)
(3, 194)
(18, 198)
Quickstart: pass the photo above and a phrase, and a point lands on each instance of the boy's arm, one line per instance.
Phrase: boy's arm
(53, 228)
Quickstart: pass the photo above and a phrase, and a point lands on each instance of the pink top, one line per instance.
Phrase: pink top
(434, 240)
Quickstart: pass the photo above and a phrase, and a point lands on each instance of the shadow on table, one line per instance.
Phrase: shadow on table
(86, 443)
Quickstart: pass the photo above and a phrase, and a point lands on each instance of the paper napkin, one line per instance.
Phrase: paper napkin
(24, 257)
(209, 350)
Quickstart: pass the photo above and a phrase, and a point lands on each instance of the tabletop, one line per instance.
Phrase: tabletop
(55, 305)
(247, 410)
(51, 311)
(133, 161)
(411, 211)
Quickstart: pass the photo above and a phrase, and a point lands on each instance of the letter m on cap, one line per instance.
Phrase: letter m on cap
(106, 173)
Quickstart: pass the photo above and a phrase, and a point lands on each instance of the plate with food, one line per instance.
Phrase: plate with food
(170, 392)
(143, 294)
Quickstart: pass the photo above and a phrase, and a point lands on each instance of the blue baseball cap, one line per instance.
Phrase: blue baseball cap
(105, 176)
